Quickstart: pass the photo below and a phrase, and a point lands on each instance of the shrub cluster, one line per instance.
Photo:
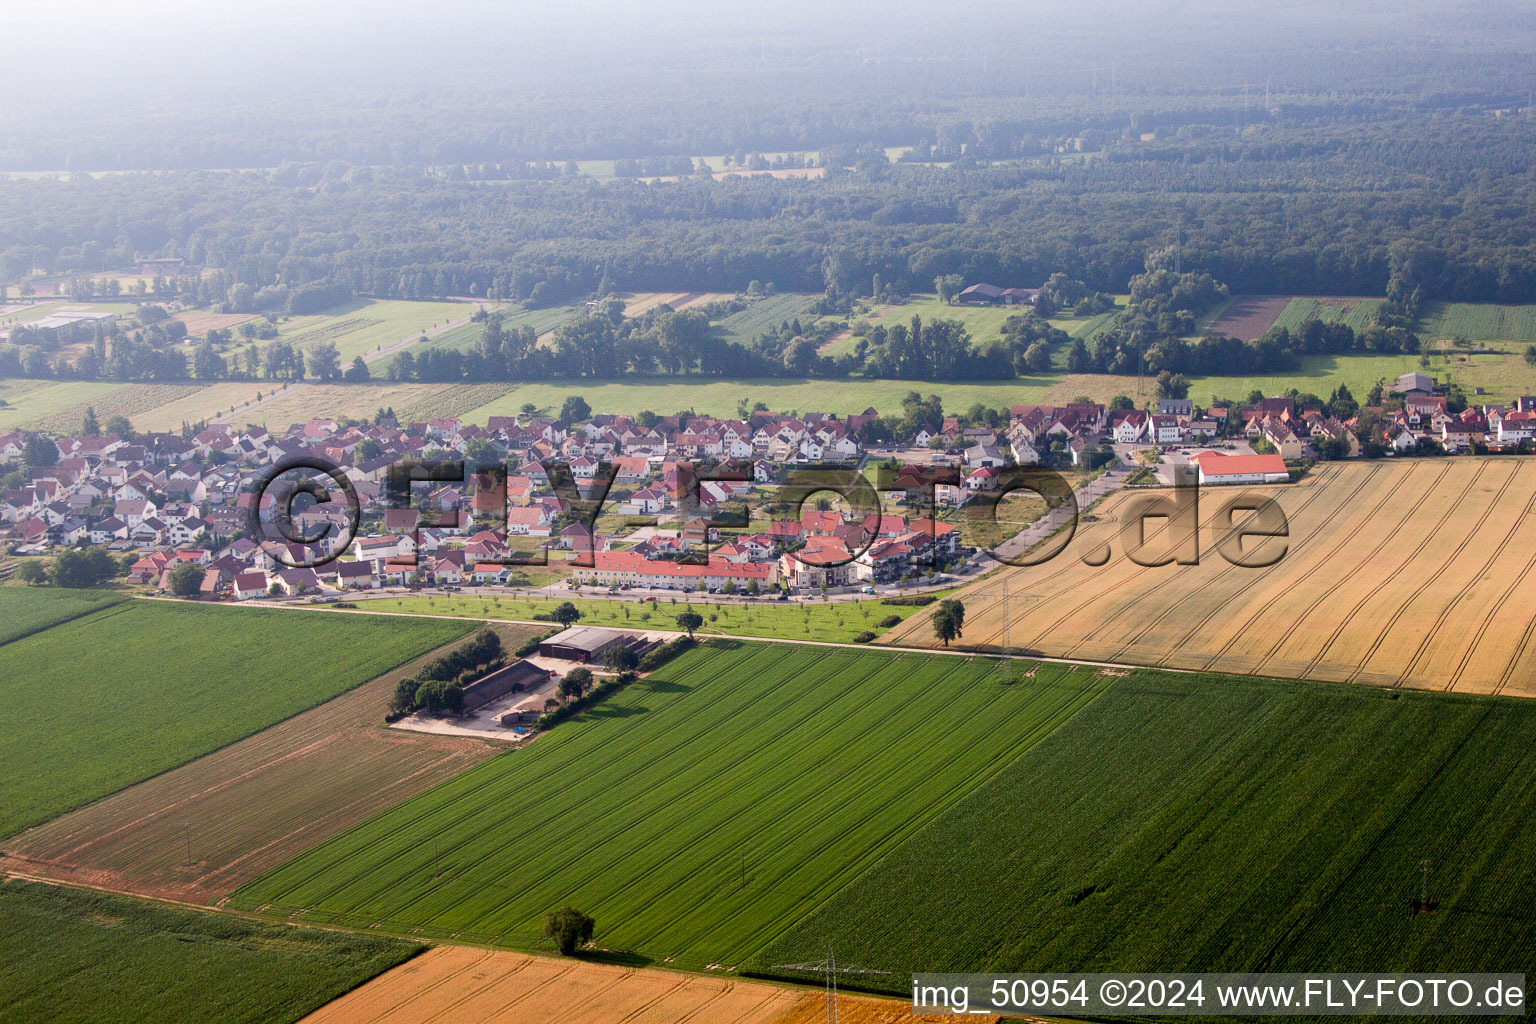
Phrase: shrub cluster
(602, 691)
(910, 600)
(659, 656)
(439, 687)
(531, 645)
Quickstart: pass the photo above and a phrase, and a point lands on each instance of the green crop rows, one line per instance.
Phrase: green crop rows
(77, 956)
(1188, 822)
(24, 611)
(698, 813)
(1477, 322)
(766, 314)
(113, 697)
(1358, 314)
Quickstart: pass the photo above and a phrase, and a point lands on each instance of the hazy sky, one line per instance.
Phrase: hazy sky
(192, 48)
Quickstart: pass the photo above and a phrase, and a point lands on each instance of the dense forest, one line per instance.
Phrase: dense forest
(1276, 208)
(1180, 156)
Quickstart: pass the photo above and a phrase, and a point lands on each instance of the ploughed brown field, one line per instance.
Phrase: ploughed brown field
(1249, 316)
(254, 804)
(479, 986)
(1419, 572)
(199, 324)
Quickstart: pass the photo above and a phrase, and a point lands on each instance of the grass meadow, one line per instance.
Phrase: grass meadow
(835, 621)
(698, 813)
(69, 955)
(1209, 823)
(359, 327)
(107, 699)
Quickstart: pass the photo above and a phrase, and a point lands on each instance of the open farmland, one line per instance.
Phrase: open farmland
(644, 302)
(114, 697)
(766, 315)
(543, 320)
(1410, 573)
(1357, 312)
(984, 322)
(361, 326)
(250, 806)
(59, 407)
(1209, 823)
(299, 403)
(1249, 316)
(838, 621)
(481, 986)
(687, 814)
(79, 957)
(716, 397)
(32, 610)
(43, 402)
(200, 322)
(1476, 322)
(200, 404)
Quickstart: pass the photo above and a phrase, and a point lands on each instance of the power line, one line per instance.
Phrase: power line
(829, 967)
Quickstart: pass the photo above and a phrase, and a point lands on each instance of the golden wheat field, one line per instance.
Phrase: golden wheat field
(482, 986)
(1413, 573)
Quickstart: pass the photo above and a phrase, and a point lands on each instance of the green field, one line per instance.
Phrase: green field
(1186, 822)
(106, 700)
(61, 405)
(715, 397)
(695, 815)
(1357, 314)
(359, 327)
(838, 621)
(27, 610)
(1317, 374)
(984, 322)
(32, 403)
(766, 314)
(464, 338)
(68, 956)
(1476, 322)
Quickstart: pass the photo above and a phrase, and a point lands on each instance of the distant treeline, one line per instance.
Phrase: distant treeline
(1299, 210)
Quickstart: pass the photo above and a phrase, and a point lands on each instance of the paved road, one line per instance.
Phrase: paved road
(1100, 486)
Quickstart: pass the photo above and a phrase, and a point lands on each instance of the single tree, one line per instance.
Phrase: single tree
(186, 579)
(620, 659)
(570, 928)
(690, 621)
(948, 620)
(89, 427)
(32, 572)
(575, 683)
(566, 613)
(575, 410)
(325, 361)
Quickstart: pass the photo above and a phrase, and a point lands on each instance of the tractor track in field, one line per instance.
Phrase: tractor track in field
(1418, 549)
